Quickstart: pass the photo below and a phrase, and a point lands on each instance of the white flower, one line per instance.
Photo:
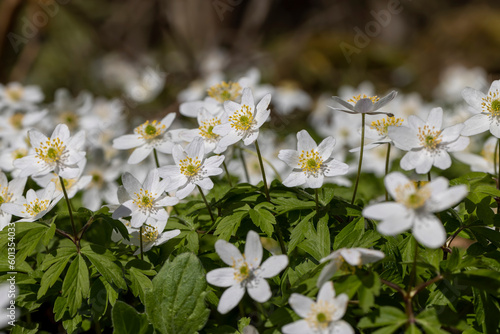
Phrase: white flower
(103, 186)
(152, 235)
(311, 163)
(288, 97)
(191, 169)
(242, 121)
(320, 317)
(414, 207)
(206, 122)
(148, 136)
(145, 201)
(69, 110)
(347, 257)
(362, 104)
(146, 86)
(486, 108)
(454, 78)
(246, 272)
(35, 206)
(378, 131)
(427, 144)
(72, 186)
(14, 126)
(60, 153)
(485, 161)
(16, 96)
(10, 192)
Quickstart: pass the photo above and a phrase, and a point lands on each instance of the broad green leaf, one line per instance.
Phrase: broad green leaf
(384, 316)
(228, 225)
(429, 321)
(139, 283)
(176, 304)
(52, 274)
(263, 219)
(299, 231)
(126, 320)
(102, 293)
(103, 259)
(350, 233)
(290, 204)
(76, 284)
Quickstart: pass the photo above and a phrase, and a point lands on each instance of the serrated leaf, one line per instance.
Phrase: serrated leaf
(140, 284)
(350, 234)
(263, 219)
(284, 205)
(103, 259)
(176, 304)
(52, 274)
(101, 294)
(298, 232)
(384, 316)
(126, 320)
(228, 225)
(76, 285)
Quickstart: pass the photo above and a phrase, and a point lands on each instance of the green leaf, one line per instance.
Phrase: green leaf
(76, 284)
(299, 232)
(176, 305)
(140, 284)
(429, 321)
(263, 219)
(350, 234)
(126, 320)
(103, 259)
(290, 204)
(228, 225)
(489, 190)
(323, 236)
(102, 293)
(28, 242)
(384, 316)
(52, 274)
(482, 279)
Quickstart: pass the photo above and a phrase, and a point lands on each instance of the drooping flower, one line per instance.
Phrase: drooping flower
(310, 162)
(191, 169)
(362, 104)
(10, 192)
(320, 317)
(246, 272)
(145, 202)
(414, 207)
(487, 110)
(346, 258)
(35, 205)
(427, 143)
(148, 136)
(242, 121)
(60, 153)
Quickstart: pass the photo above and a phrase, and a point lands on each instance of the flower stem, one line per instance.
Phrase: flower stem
(206, 203)
(387, 167)
(244, 165)
(360, 157)
(267, 162)
(140, 243)
(497, 148)
(227, 173)
(429, 176)
(262, 170)
(68, 203)
(156, 158)
(413, 273)
(317, 201)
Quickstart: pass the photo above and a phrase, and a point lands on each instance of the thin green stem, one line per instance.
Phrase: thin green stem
(206, 203)
(227, 174)
(429, 176)
(387, 161)
(360, 157)
(68, 203)
(498, 178)
(317, 201)
(242, 158)
(413, 273)
(156, 158)
(262, 170)
(140, 243)
(276, 173)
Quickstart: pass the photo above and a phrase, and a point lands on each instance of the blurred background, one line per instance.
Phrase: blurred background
(317, 45)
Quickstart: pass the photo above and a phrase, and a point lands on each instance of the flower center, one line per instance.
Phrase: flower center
(320, 315)
(491, 104)
(51, 151)
(69, 118)
(242, 119)
(5, 196)
(35, 207)
(144, 199)
(19, 153)
(242, 270)
(310, 161)
(225, 91)
(190, 167)
(206, 128)
(14, 93)
(16, 121)
(150, 130)
(429, 137)
(356, 98)
(382, 125)
(412, 197)
(149, 233)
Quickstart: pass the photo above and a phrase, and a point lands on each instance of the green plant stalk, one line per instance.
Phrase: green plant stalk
(413, 273)
(266, 189)
(317, 201)
(360, 157)
(206, 204)
(242, 158)
(68, 203)
(227, 174)
(429, 176)
(141, 244)
(156, 158)
(267, 162)
(387, 161)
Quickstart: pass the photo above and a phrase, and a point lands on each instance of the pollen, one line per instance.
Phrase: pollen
(491, 104)
(15, 93)
(225, 91)
(382, 125)
(190, 167)
(16, 120)
(356, 98)
(36, 206)
(206, 129)
(242, 270)
(19, 153)
(151, 130)
(242, 119)
(412, 197)
(144, 199)
(51, 151)
(310, 161)
(68, 183)
(320, 315)
(69, 118)
(149, 233)
(429, 137)
(5, 196)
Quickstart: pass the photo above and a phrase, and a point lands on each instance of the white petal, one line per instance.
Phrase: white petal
(183, 192)
(395, 217)
(447, 199)
(131, 184)
(458, 145)
(139, 154)
(127, 142)
(305, 142)
(336, 168)
(290, 157)
(473, 97)
(340, 306)
(247, 97)
(260, 291)
(314, 182)
(442, 160)
(394, 180)
(253, 249)
(476, 124)
(326, 292)
(351, 256)
(228, 252)
(295, 179)
(340, 327)
(298, 327)
(327, 272)
(403, 137)
(230, 298)
(222, 277)
(495, 129)
(191, 109)
(451, 133)
(301, 304)
(435, 118)
(429, 231)
(167, 120)
(273, 266)
(325, 148)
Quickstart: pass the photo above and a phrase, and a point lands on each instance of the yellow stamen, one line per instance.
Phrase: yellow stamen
(206, 128)
(429, 137)
(310, 161)
(411, 196)
(190, 167)
(356, 98)
(50, 151)
(491, 104)
(144, 199)
(225, 91)
(242, 270)
(150, 130)
(149, 233)
(14, 93)
(35, 207)
(382, 125)
(16, 120)
(5, 196)
(320, 315)
(242, 119)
